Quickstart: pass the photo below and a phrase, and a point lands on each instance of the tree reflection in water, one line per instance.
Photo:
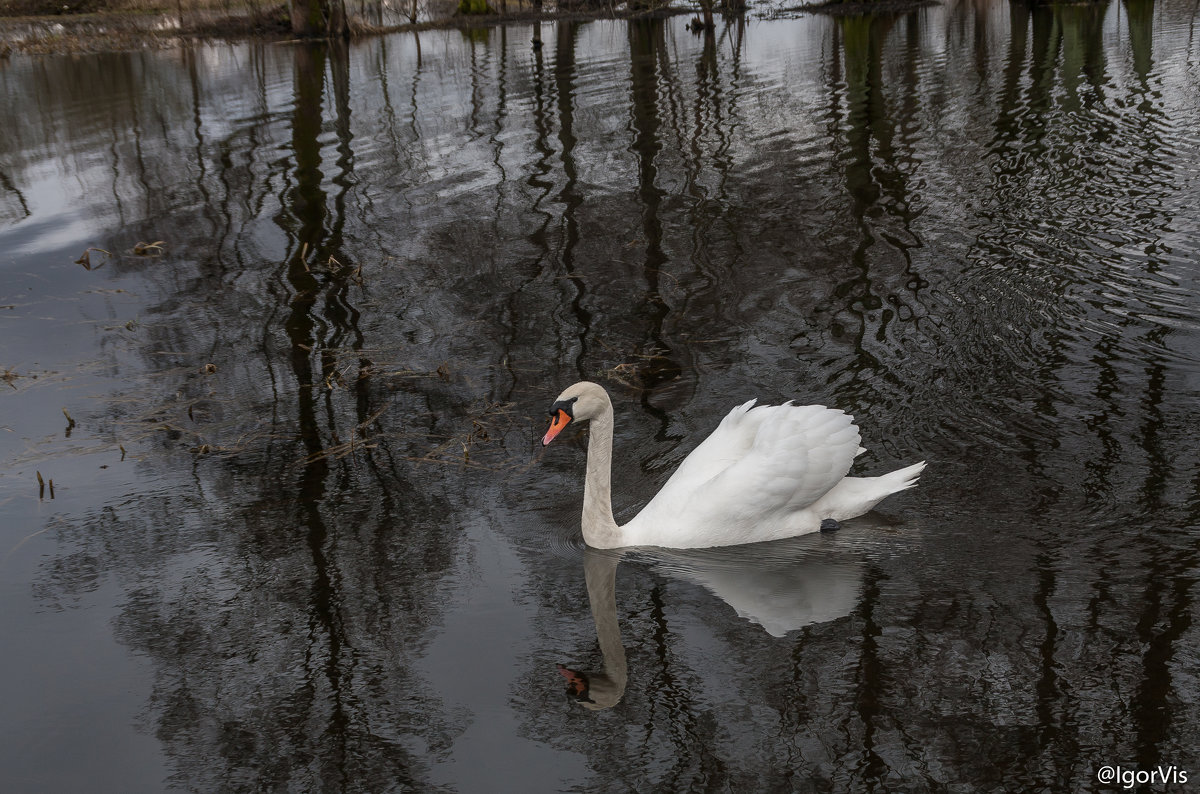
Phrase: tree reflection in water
(970, 224)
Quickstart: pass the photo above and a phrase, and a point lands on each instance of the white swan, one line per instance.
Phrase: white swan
(765, 473)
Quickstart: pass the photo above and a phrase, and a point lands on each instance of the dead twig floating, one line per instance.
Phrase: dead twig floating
(338, 451)
(148, 249)
(85, 259)
(27, 538)
(351, 274)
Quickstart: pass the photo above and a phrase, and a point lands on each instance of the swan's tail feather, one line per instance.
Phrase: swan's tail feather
(854, 496)
(904, 478)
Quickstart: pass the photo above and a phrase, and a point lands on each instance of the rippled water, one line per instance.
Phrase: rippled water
(338, 559)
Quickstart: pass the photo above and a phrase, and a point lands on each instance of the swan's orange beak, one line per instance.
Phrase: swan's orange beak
(560, 420)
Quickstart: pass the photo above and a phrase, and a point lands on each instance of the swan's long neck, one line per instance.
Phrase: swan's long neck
(600, 530)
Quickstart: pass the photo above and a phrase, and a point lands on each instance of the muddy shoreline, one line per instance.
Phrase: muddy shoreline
(121, 31)
(114, 31)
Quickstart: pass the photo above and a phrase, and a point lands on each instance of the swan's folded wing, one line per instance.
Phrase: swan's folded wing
(798, 454)
(757, 464)
(729, 443)
(725, 446)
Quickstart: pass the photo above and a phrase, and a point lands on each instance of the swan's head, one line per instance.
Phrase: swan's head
(578, 403)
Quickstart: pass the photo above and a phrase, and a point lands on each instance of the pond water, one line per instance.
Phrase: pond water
(296, 531)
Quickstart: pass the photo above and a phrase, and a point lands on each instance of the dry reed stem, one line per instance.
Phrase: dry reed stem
(148, 249)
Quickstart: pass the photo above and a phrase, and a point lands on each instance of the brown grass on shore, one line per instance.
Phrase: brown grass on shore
(135, 25)
(68, 8)
(77, 26)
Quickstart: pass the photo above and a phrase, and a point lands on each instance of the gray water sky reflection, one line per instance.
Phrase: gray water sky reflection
(340, 560)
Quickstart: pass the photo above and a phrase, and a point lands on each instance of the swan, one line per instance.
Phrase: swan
(766, 473)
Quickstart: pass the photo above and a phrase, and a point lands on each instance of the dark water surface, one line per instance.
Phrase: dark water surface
(339, 560)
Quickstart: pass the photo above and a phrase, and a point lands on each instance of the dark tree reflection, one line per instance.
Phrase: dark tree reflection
(325, 521)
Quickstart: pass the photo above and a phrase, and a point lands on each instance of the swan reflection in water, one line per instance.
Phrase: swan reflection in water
(781, 586)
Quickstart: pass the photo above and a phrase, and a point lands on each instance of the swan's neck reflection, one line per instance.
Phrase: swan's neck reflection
(604, 689)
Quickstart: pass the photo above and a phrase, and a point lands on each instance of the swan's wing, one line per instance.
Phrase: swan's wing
(798, 454)
(725, 446)
(759, 461)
